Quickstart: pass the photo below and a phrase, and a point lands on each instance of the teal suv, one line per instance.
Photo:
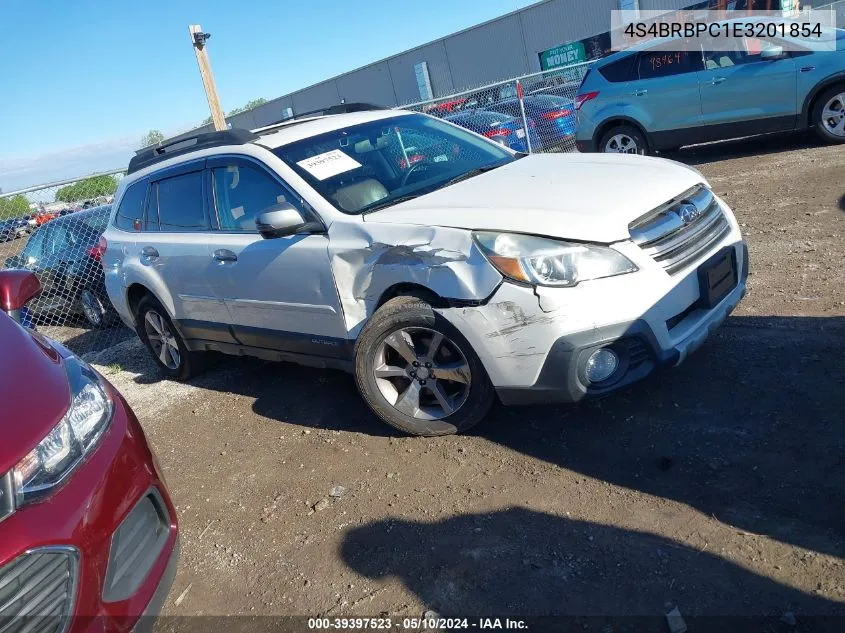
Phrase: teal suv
(651, 98)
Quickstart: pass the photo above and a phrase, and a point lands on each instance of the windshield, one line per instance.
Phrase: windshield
(369, 166)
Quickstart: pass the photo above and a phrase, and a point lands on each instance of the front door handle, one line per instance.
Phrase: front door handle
(224, 255)
(719, 80)
(808, 69)
(640, 93)
(148, 252)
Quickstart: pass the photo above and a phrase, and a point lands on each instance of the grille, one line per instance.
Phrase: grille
(135, 547)
(37, 591)
(637, 349)
(674, 242)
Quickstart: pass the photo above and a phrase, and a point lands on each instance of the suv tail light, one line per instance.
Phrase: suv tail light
(99, 250)
(497, 132)
(583, 98)
(557, 114)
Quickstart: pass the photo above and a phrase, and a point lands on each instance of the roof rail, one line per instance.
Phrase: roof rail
(185, 145)
(341, 108)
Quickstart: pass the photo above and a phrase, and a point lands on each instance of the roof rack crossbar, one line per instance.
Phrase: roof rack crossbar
(158, 153)
(341, 108)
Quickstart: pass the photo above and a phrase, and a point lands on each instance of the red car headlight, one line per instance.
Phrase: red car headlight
(76, 434)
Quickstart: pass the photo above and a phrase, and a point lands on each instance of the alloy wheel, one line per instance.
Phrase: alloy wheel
(621, 144)
(422, 373)
(833, 116)
(162, 340)
(92, 308)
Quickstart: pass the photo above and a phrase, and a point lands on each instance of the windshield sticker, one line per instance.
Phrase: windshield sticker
(330, 164)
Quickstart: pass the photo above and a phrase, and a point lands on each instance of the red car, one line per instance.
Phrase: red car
(42, 217)
(87, 527)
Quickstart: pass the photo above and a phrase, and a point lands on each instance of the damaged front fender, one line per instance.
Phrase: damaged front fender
(368, 259)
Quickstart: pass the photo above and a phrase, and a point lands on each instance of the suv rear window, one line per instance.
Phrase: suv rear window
(131, 206)
(180, 204)
(621, 70)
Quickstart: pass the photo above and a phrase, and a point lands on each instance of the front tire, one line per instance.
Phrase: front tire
(165, 344)
(829, 115)
(418, 373)
(624, 139)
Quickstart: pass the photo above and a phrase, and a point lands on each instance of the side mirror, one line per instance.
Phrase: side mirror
(283, 219)
(17, 288)
(773, 54)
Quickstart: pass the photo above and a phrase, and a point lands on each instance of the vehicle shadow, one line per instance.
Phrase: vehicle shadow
(282, 392)
(744, 147)
(750, 430)
(519, 561)
(842, 202)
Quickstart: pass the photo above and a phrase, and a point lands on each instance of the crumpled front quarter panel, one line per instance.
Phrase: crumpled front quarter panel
(369, 258)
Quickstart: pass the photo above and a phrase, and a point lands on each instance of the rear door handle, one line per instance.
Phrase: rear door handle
(640, 93)
(719, 80)
(224, 255)
(808, 69)
(149, 252)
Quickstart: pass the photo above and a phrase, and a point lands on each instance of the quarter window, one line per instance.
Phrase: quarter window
(241, 192)
(180, 204)
(131, 206)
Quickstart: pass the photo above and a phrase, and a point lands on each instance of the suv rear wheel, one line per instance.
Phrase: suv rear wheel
(163, 341)
(829, 115)
(624, 139)
(418, 373)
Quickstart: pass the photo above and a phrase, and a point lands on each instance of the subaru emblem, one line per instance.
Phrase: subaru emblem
(688, 213)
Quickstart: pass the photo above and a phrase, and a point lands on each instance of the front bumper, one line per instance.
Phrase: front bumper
(115, 520)
(534, 342)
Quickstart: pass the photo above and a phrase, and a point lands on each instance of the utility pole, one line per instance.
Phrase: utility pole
(198, 40)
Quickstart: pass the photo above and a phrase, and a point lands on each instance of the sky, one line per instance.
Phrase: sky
(83, 81)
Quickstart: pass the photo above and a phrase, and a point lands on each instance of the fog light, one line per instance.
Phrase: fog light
(602, 364)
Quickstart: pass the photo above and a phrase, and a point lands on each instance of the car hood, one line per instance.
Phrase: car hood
(590, 197)
(34, 392)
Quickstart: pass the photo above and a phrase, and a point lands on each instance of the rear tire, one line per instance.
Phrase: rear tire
(624, 139)
(163, 341)
(828, 116)
(97, 313)
(408, 394)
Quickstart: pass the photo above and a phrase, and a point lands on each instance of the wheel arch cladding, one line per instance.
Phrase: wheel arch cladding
(371, 259)
(815, 95)
(605, 127)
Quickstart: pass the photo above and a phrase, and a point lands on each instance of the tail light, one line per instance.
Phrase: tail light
(502, 131)
(583, 98)
(557, 114)
(99, 250)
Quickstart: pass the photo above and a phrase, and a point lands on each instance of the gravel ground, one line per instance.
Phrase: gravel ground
(716, 487)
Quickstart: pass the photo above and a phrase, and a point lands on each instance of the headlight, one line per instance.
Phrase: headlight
(70, 441)
(548, 262)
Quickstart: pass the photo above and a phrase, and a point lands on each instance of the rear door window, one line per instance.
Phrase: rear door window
(180, 203)
(661, 63)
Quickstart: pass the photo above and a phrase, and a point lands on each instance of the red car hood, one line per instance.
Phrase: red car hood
(34, 392)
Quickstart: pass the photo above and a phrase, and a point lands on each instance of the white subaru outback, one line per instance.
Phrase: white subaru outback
(439, 267)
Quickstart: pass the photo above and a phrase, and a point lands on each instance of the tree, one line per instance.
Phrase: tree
(87, 189)
(153, 137)
(14, 207)
(249, 105)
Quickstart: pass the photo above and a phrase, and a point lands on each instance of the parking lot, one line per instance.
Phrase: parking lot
(716, 487)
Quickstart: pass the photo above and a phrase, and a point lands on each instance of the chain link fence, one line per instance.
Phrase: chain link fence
(532, 113)
(54, 230)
